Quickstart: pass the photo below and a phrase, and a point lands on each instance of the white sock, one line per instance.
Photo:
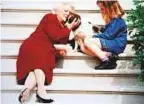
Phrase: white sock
(105, 59)
(108, 54)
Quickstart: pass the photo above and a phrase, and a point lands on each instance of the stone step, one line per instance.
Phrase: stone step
(77, 66)
(13, 49)
(81, 61)
(33, 19)
(9, 33)
(72, 98)
(28, 18)
(15, 19)
(67, 84)
(77, 62)
(41, 5)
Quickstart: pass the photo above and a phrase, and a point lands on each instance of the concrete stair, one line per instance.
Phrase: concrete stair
(69, 98)
(82, 90)
(75, 81)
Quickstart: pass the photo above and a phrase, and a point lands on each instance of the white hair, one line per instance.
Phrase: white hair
(60, 5)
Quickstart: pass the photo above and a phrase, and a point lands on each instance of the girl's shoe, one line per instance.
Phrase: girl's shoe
(114, 57)
(108, 64)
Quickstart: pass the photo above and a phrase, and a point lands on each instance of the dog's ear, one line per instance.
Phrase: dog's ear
(72, 43)
(73, 16)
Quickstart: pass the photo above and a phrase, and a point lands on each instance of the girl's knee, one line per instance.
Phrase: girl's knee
(82, 48)
(92, 41)
(87, 41)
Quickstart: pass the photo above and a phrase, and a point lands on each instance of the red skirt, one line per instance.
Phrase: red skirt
(33, 55)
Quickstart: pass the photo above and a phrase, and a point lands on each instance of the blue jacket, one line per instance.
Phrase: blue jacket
(114, 36)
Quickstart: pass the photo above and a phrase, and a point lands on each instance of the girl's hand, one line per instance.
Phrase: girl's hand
(96, 28)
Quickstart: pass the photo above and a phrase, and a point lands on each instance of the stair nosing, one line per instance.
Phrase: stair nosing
(79, 57)
(21, 40)
(84, 91)
(87, 74)
(48, 10)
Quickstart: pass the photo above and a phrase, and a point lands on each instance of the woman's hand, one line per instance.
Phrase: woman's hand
(62, 49)
(75, 23)
(61, 52)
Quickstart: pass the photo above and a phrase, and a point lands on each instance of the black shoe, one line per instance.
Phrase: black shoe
(107, 65)
(113, 65)
(113, 57)
(96, 67)
(21, 95)
(42, 100)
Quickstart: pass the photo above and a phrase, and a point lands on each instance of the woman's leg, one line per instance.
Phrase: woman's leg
(41, 95)
(40, 78)
(30, 83)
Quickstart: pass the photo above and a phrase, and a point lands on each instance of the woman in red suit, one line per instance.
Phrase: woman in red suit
(36, 58)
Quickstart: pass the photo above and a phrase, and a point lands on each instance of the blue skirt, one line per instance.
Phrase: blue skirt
(111, 46)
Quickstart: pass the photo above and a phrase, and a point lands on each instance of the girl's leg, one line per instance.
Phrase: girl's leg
(108, 61)
(94, 45)
(84, 49)
(30, 83)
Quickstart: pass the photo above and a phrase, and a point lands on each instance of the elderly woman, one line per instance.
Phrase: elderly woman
(112, 39)
(36, 58)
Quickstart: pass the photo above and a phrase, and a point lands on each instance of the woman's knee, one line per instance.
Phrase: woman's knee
(39, 72)
(31, 73)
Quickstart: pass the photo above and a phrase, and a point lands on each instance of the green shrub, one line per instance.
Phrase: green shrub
(136, 22)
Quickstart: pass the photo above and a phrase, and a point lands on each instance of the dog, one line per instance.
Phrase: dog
(85, 27)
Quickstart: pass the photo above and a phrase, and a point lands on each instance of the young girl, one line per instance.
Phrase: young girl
(111, 40)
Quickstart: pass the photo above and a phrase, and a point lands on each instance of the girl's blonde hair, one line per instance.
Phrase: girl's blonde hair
(112, 10)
